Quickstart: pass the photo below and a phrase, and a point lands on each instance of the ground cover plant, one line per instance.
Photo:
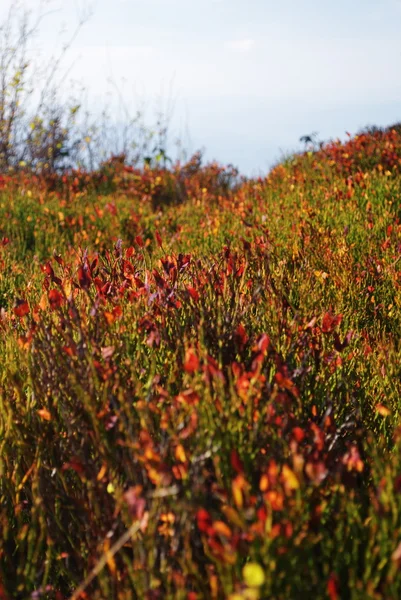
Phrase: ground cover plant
(200, 379)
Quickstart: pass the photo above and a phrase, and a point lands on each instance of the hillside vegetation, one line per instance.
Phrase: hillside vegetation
(200, 380)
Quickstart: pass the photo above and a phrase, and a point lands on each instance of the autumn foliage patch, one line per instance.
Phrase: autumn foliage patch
(200, 380)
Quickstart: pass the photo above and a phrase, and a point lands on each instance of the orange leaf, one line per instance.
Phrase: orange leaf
(44, 414)
(102, 472)
(222, 529)
(111, 563)
(109, 317)
(180, 453)
(43, 302)
(264, 483)
(383, 410)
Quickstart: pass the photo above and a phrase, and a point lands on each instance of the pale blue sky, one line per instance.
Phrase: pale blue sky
(248, 77)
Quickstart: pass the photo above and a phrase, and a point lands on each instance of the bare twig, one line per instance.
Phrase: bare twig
(103, 560)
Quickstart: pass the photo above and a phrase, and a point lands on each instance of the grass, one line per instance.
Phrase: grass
(200, 380)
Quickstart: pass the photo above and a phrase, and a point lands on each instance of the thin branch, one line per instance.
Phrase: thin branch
(103, 560)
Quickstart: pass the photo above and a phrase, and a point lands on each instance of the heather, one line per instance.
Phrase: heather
(200, 379)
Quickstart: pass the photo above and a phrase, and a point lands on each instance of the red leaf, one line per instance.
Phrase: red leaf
(212, 368)
(236, 462)
(241, 335)
(48, 269)
(69, 350)
(84, 277)
(191, 362)
(139, 241)
(160, 282)
(203, 520)
(117, 312)
(74, 464)
(111, 207)
(298, 434)
(158, 239)
(3, 593)
(55, 299)
(94, 264)
(340, 346)
(332, 587)
(58, 259)
(330, 322)
(193, 293)
(21, 308)
(138, 282)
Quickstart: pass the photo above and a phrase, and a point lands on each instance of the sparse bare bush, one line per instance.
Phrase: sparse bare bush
(43, 130)
(37, 130)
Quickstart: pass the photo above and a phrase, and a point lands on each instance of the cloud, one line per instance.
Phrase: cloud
(244, 45)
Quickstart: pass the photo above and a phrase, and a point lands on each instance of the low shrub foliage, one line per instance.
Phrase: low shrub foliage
(200, 379)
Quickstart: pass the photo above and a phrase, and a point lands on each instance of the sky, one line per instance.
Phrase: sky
(242, 79)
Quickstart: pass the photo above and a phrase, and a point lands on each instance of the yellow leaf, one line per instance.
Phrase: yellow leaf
(180, 454)
(321, 274)
(67, 287)
(253, 575)
(290, 480)
(237, 492)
